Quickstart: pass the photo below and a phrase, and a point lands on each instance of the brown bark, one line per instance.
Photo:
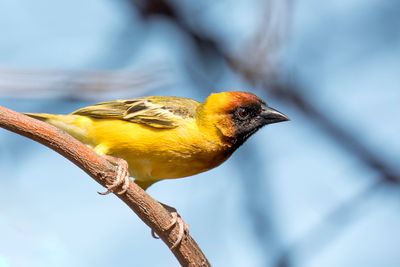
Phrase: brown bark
(149, 210)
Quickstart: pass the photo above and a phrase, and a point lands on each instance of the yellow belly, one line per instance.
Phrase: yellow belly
(155, 154)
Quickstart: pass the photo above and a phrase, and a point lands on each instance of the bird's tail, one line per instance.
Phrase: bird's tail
(41, 116)
(75, 125)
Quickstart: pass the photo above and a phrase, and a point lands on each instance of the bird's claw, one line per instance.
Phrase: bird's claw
(183, 228)
(122, 178)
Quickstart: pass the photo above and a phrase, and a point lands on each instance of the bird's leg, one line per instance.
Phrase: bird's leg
(122, 177)
(176, 219)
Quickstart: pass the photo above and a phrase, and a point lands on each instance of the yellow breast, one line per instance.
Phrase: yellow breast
(155, 154)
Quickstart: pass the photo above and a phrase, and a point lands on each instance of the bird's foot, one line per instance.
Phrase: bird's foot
(183, 228)
(122, 178)
(176, 219)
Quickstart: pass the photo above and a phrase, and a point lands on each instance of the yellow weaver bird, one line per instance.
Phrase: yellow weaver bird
(164, 137)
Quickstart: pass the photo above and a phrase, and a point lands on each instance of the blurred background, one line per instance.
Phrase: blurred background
(320, 190)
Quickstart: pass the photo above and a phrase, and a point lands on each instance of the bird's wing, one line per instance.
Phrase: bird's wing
(155, 111)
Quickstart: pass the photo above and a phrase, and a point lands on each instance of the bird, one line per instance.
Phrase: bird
(166, 137)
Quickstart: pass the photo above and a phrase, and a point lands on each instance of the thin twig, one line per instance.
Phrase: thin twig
(149, 210)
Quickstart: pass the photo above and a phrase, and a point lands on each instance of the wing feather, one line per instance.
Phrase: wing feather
(155, 111)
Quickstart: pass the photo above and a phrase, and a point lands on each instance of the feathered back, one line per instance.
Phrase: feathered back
(155, 111)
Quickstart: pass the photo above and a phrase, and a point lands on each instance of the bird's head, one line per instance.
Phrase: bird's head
(237, 115)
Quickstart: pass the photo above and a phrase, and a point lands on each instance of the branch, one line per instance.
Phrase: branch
(81, 85)
(149, 210)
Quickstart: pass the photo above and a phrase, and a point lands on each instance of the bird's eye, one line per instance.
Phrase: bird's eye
(243, 113)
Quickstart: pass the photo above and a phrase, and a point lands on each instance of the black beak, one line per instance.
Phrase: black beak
(271, 115)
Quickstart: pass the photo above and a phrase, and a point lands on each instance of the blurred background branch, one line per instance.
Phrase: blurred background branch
(255, 65)
(80, 85)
